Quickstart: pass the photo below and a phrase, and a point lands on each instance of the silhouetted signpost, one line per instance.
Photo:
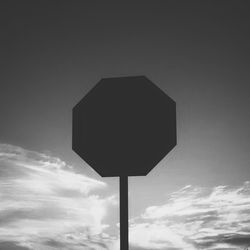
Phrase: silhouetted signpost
(124, 127)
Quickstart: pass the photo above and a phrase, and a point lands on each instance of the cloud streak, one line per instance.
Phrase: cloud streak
(196, 218)
(44, 204)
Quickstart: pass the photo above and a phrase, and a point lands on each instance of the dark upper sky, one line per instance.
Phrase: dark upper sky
(53, 52)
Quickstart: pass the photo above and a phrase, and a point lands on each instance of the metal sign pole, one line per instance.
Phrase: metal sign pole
(124, 213)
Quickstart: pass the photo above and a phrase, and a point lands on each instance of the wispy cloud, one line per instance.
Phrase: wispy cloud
(196, 218)
(44, 204)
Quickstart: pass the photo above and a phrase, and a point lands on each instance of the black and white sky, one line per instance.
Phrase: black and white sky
(54, 52)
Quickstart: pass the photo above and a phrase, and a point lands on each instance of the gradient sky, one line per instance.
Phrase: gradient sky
(54, 52)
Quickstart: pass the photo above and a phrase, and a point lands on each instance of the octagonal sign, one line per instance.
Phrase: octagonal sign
(124, 126)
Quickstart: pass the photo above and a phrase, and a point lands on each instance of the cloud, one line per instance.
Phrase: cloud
(196, 218)
(44, 204)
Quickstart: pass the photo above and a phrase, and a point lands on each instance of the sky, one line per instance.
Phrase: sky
(54, 52)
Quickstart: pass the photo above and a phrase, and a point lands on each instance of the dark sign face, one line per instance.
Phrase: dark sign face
(124, 126)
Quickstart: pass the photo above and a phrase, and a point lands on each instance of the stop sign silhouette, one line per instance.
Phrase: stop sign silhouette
(124, 127)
